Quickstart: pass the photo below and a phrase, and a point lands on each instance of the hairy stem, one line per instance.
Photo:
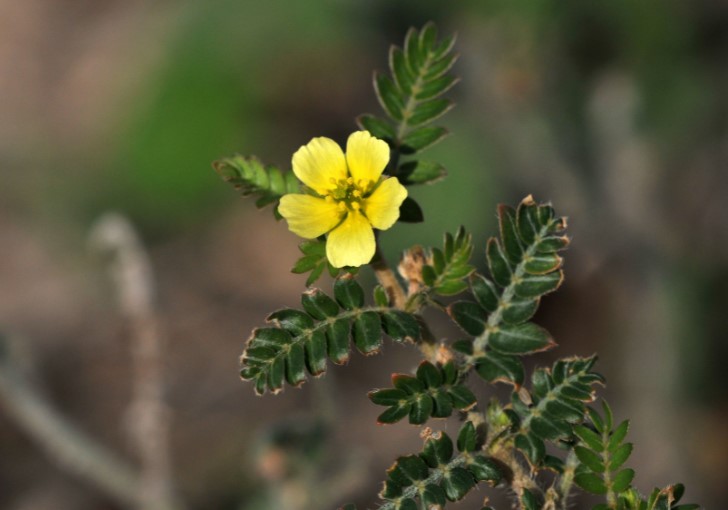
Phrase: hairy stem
(386, 278)
(567, 479)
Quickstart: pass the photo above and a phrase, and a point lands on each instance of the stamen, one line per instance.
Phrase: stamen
(355, 206)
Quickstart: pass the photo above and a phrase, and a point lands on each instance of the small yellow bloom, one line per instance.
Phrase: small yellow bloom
(349, 196)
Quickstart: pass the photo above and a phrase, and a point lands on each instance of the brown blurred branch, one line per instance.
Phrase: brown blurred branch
(70, 447)
(149, 416)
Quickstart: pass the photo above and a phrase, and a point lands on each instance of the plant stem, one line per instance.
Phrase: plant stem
(386, 278)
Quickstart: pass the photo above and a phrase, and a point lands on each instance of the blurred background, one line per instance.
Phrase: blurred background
(615, 111)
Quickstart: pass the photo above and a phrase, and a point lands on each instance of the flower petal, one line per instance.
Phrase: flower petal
(367, 156)
(351, 243)
(309, 216)
(317, 162)
(382, 207)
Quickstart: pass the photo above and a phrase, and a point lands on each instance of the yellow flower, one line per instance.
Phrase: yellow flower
(348, 196)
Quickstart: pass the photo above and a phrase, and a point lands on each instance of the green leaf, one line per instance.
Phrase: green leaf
(542, 264)
(420, 172)
(427, 38)
(250, 177)
(433, 496)
(407, 383)
(530, 286)
(590, 483)
(403, 77)
(429, 375)
(305, 264)
(518, 311)
(296, 365)
(566, 409)
(276, 373)
(554, 464)
(412, 467)
(393, 414)
(380, 296)
(551, 244)
(546, 427)
(316, 273)
(622, 480)
(620, 456)
(367, 332)
(527, 221)
(513, 248)
(532, 446)
(497, 263)
(618, 436)
(429, 111)
(421, 409)
(496, 367)
(450, 287)
(485, 469)
(348, 293)
(443, 404)
(319, 305)
(520, 339)
(388, 397)
(449, 267)
(412, 96)
(469, 316)
(377, 127)
(410, 211)
(589, 437)
(415, 57)
(485, 292)
(388, 96)
(436, 87)
(457, 482)
(528, 500)
(316, 349)
(589, 459)
(462, 397)
(337, 336)
(407, 504)
(293, 321)
(467, 438)
(391, 490)
(597, 420)
(441, 66)
(437, 451)
(421, 138)
(608, 417)
(313, 247)
(449, 372)
(400, 326)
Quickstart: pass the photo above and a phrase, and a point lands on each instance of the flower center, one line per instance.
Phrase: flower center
(348, 194)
